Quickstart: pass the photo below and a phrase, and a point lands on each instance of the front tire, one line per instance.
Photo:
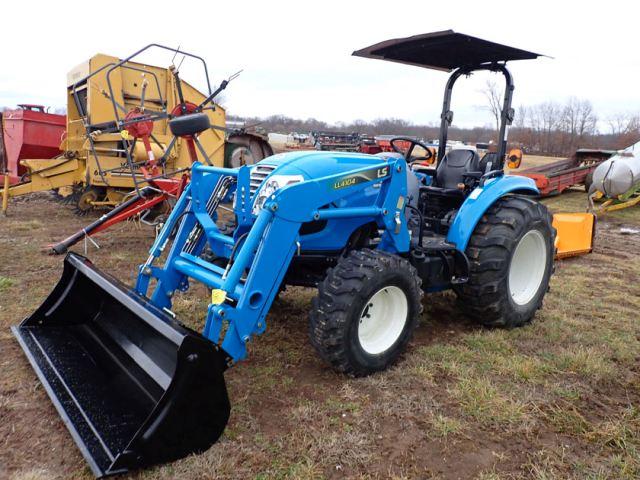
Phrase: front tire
(511, 254)
(366, 310)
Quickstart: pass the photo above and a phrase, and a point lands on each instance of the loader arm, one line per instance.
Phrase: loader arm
(244, 291)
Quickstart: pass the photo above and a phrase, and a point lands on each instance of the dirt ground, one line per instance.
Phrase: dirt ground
(556, 399)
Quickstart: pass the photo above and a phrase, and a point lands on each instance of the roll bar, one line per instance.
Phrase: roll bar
(506, 116)
(461, 54)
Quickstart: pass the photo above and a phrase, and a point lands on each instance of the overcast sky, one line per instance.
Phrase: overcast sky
(296, 55)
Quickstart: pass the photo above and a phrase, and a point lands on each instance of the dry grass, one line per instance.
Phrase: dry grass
(555, 399)
(529, 161)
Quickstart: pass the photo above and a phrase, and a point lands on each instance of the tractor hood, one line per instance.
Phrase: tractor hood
(280, 170)
(312, 164)
(283, 169)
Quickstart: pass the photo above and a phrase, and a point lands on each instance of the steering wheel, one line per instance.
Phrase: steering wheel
(429, 158)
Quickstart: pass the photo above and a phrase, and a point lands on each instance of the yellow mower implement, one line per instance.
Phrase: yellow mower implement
(575, 232)
(631, 198)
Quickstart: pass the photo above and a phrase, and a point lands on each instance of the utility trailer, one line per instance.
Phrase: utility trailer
(555, 177)
(368, 145)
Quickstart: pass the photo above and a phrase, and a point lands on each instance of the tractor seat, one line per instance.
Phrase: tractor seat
(451, 169)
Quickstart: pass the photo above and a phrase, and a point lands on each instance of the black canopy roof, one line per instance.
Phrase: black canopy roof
(446, 50)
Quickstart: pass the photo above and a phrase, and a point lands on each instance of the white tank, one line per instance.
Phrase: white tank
(619, 174)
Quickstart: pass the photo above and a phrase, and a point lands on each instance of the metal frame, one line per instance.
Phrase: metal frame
(463, 54)
(506, 116)
(266, 250)
(119, 123)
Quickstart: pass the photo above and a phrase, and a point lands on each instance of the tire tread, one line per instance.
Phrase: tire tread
(485, 296)
(328, 319)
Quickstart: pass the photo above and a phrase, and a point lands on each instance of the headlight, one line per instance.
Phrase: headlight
(269, 187)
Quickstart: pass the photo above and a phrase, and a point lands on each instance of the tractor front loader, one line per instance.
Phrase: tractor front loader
(371, 232)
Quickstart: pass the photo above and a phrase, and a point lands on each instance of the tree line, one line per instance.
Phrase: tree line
(549, 128)
(552, 128)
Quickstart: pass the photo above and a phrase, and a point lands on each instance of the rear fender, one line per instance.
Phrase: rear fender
(480, 200)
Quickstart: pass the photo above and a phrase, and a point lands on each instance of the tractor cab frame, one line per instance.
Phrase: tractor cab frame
(461, 55)
(446, 206)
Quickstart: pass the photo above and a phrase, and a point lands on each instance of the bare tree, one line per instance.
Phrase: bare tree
(622, 123)
(521, 117)
(616, 123)
(493, 95)
(578, 121)
(625, 128)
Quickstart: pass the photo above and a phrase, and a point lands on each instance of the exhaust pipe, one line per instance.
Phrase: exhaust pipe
(133, 385)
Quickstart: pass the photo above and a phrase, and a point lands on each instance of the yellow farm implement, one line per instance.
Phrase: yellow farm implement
(101, 163)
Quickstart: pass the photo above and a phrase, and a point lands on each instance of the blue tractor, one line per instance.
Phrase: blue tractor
(371, 232)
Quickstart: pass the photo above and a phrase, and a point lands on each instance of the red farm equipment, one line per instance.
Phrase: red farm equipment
(336, 141)
(384, 142)
(369, 145)
(554, 178)
(29, 132)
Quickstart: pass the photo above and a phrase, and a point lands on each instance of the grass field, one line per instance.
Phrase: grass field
(556, 399)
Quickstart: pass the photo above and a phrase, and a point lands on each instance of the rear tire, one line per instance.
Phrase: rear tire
(511, 254)
(366, 310)
(245, 149)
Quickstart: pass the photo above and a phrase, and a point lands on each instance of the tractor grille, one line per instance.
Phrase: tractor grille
(258, 174)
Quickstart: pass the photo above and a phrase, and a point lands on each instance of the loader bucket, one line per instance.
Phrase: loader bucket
(575, 233)
(133, 386)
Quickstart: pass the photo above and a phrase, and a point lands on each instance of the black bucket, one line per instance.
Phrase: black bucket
(134, 386)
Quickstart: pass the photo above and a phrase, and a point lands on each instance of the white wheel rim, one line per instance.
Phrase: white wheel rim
(382, 320)
(527, 268)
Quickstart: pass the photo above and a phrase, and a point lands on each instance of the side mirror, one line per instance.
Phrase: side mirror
(434, 155)
(514, 158)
